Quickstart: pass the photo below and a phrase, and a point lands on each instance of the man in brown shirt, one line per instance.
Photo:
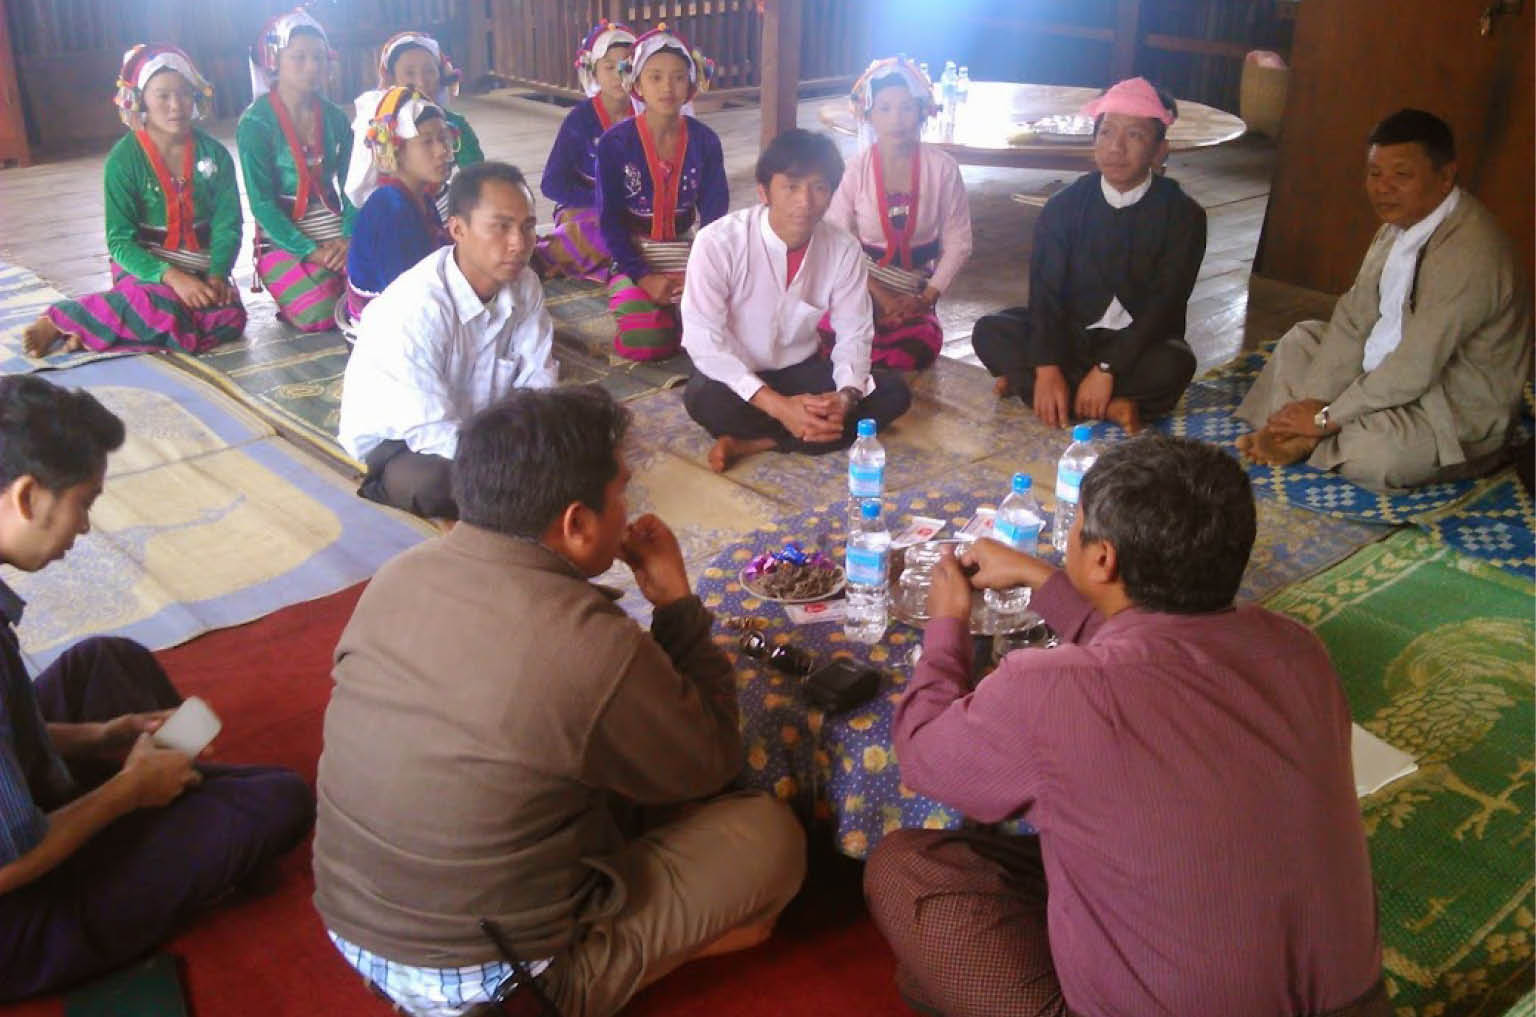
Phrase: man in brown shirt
(498, 725)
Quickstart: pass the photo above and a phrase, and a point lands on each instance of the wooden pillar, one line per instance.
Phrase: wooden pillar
(783, 21)
(1122, 57)
(13, 126)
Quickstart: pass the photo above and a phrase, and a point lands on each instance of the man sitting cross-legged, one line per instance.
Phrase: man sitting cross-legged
(1186, 762)
(108, 843)
(1417, 376)
(504, 743)
(1115, 257)
(759, 281)
(447, 338)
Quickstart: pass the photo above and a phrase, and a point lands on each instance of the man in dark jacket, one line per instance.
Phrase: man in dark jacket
(1115, 258)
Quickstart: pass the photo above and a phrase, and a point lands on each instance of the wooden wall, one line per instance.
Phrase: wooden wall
(533, 42)
(68, 52)
(1352, 66)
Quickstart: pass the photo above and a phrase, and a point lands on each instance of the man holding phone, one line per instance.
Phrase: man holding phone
(1185, 760)
(107, 841)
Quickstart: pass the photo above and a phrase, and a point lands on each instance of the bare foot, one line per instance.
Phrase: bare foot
(43, 335)
(728, 450)
(1123, 411)
(1002, 387)
(1273, 449)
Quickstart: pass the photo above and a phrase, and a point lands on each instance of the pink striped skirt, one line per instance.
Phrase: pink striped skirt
(139, 315)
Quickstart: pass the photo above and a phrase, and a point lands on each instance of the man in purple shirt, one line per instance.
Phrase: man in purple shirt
(1186, 761)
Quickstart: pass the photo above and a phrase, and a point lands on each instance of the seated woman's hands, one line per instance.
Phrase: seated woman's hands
(196, 293)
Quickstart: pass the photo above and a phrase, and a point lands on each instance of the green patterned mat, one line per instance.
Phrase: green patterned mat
(1436, 653)
(294, 379)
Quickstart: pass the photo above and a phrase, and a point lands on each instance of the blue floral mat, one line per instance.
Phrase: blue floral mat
(24, 296)
(1487, 518)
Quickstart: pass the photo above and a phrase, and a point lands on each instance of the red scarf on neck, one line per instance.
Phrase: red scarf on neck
(299, 150)
(898, 246)
(180, 214)
(666, 179)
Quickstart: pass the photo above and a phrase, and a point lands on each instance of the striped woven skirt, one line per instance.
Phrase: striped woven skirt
(139, 315)
(306, 294)
(909, 346)
(574, 248)
(647, 330)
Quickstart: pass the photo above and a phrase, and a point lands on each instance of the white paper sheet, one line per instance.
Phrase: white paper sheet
(1377, 764)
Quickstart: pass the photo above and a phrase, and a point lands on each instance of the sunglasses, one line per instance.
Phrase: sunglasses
(784, 657)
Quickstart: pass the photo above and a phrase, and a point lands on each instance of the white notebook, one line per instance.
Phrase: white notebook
(1377, 764)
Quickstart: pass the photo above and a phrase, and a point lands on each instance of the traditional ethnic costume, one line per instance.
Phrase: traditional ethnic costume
(292, 184)
(575, 248)
(469, 152)
(646, 205)
(159, 216)
(914, 239)
(1424, 359)
(395, 227)
(1109, 282)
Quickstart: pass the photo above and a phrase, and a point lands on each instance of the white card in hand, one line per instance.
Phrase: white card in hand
(190, 728)
(980, 524)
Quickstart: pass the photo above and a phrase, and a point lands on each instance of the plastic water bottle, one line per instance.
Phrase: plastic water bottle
(869, 551)
(947, 87)
(1075, 461)
(866, 470)
(963, 86)
(1018, 523)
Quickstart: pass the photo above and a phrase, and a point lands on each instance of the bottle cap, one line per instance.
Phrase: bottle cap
(1021, 483)
(1082, 432)
(870, 509)
(867, 428)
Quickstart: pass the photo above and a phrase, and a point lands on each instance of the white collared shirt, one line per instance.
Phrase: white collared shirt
(1115, 316)
(1397, 278)
(430, 354)
(739, 317)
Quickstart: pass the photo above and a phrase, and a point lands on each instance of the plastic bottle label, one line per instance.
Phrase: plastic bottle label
(1017, 535)
(866, 566)
(1067, 484)
(865, 481)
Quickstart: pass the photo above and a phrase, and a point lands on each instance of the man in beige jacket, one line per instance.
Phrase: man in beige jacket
(1417, 377)
(504, 743)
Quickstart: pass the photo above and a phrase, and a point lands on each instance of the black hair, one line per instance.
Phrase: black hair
(885, 81)
(400, 51)
(1163, 96)
(464, 192)
(523, 461)
(799, 153)
(1180, 516)
(59, 436)
(1415, 125)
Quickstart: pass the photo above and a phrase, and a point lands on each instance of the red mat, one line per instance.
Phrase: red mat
(269, 956)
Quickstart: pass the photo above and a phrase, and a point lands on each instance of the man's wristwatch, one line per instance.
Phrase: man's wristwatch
(851, 396)
(1320, 419)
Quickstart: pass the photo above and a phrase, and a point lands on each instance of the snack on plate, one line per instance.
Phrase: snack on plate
(791, 574)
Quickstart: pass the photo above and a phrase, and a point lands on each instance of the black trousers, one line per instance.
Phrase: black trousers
(722, 412)
(1154, 382)
(130, 887)
(416, 482)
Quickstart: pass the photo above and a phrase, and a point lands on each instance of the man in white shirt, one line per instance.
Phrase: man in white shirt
(759, 281)
(1418, 375)
(446, 339)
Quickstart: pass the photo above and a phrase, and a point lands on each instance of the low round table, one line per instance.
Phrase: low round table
(995, 111)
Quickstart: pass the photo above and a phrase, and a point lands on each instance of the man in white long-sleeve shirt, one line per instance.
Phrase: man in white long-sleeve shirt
(759, 281)
(449, 337)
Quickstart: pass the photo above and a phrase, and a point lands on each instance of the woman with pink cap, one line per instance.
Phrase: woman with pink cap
(659, 174)
(575, 248)
(905, 201)
(173, 223)
(294, 148)
(1115, 257)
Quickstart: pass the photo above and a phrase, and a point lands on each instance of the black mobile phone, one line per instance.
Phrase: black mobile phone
(841, 685)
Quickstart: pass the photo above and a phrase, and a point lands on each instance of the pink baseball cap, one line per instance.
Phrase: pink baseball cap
(1134, 97)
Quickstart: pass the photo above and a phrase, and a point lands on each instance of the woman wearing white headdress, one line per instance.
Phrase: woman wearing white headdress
(173, 223)
(294, 148)
(402, 153)
(575, 248)
(416, 59)
(906, 203)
